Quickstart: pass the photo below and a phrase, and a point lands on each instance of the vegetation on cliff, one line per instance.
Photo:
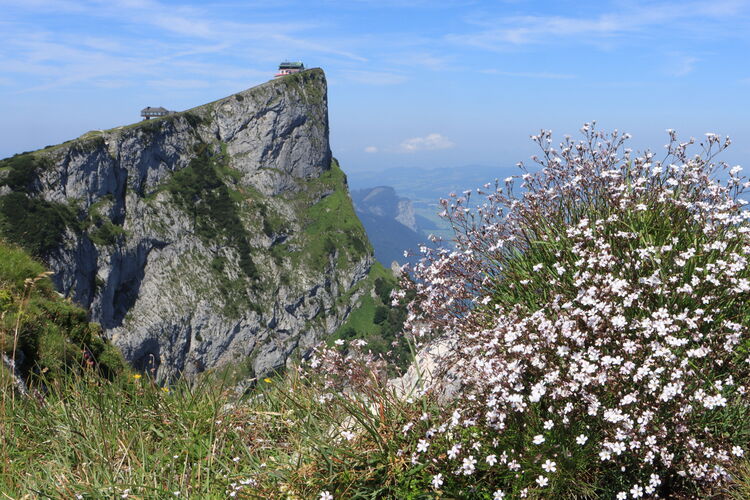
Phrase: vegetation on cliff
(35, 224)
(42, 332)
(377, 320)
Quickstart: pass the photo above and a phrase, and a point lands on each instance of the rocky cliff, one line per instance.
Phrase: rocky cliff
(223, 234)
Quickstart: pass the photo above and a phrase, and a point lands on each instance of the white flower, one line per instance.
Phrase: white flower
(498, 495)
(422, 446)
(453, 452)
(339, 342)
(622, 496)
(437, 481)
(348, 435)
(619, 321)
(636, 491)
(468, 465)
(326, 495)
(548, 425)
(737, 451)
(491, 460)
(581, 439)
(549, 466)
(542, 481)
(538, 439)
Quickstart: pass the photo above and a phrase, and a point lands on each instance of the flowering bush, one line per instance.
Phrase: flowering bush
(600, 319)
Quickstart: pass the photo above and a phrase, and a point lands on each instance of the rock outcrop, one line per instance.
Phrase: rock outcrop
(223, 234)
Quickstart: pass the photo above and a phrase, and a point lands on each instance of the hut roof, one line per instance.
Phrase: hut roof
(291, 65)
(148, 109)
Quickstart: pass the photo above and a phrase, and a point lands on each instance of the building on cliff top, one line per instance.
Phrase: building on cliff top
(148, 112)
(287, 68)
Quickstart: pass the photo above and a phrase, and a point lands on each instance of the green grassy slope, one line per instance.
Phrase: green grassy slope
(46, 333)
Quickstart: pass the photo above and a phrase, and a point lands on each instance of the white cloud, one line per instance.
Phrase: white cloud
(681, 65)
(426, 143)
(371, 149)
(172, 37)
(618, 24)
(524, 30)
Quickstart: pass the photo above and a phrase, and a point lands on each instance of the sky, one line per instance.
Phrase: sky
(431, 84)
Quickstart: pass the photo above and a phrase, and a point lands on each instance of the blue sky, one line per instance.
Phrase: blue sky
(411, 83)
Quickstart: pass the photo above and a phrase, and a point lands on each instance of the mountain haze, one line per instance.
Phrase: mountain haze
(390, 222)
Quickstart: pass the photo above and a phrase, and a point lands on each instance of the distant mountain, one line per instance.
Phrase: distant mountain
(382, 201)
(390, 222)
(430, 184)
(425, 186)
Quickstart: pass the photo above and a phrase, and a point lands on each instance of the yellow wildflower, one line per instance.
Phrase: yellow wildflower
(267, 380)
(137, 376)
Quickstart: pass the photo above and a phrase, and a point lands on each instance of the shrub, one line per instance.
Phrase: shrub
(600, 323)
(383, 289)
(381, 314)
(106, 233)
(35, 224)
(201, 191)
(22, 170)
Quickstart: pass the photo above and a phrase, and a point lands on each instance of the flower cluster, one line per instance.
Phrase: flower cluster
(346, 366)
(600, 318)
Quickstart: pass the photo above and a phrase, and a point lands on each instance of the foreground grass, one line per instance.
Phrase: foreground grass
(92, 438)
(96, 438)
(292, 437)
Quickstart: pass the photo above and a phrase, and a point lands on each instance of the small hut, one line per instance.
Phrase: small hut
(287, 68)
(148, 112)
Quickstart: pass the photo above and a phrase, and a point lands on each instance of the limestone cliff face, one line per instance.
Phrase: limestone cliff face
(223, 234)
